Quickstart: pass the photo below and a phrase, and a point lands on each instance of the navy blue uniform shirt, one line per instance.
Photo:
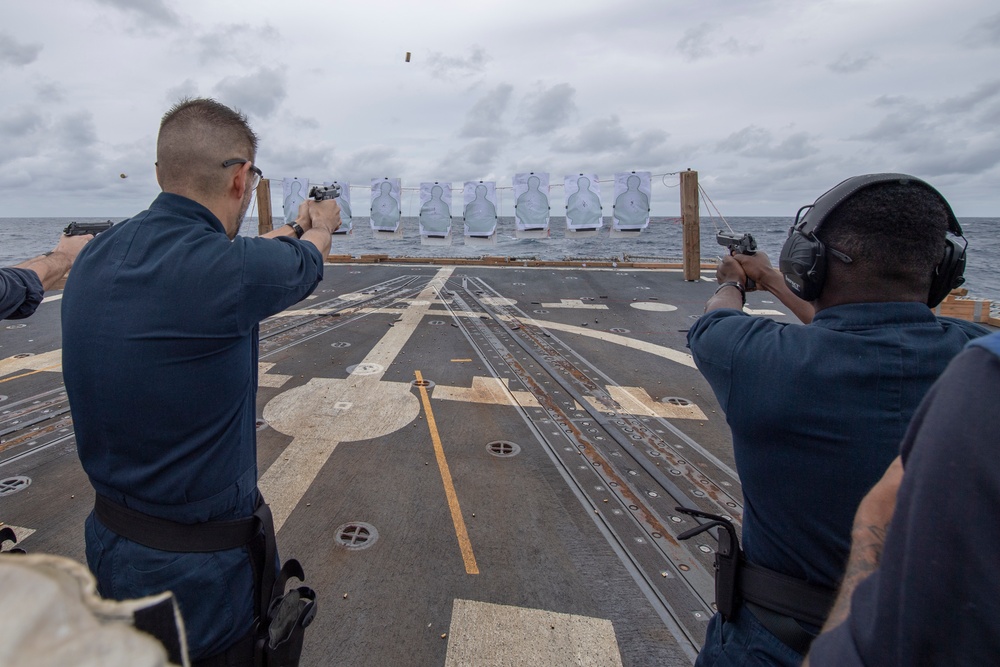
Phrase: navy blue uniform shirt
(817, 413)
(935, 599)
(20, 293)
(160, 318)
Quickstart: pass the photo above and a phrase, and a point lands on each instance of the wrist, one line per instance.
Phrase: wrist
(734, 284)
(296, 229)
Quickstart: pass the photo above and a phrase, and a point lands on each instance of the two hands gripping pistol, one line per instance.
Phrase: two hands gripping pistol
(739, 245)
(81, 228)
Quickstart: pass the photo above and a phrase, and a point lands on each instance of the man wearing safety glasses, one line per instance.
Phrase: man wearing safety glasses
(160, 333)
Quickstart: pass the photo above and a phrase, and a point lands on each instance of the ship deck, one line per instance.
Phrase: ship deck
(475, 465)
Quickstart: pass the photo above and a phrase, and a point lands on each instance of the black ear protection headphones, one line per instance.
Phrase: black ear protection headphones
(804, 257)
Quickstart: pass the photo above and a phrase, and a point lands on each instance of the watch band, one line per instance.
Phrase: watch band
(733, 283)
(297, 228)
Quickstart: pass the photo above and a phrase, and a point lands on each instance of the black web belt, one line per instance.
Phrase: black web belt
(166, 535)
(778, 601)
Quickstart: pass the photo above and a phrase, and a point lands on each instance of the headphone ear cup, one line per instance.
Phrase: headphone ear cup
(948, 274)
(803, 265)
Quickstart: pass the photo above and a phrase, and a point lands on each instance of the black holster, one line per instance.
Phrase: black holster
(781, 602)
(280, 618)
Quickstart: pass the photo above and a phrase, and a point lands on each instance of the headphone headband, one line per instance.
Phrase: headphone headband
(803, 257)
(835, 196)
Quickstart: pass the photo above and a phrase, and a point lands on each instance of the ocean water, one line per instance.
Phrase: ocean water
(23, 238)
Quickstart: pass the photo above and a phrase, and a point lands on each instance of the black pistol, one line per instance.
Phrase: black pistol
(81, 228)
(324, 192)
(742, 245)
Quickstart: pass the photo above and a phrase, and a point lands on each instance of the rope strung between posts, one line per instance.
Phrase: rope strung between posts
(711, 206)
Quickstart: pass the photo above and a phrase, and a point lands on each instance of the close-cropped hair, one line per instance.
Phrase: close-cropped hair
(196, 137)
(891, 230)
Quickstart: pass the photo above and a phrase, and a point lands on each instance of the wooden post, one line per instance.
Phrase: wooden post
(264, 222)
(691, 225)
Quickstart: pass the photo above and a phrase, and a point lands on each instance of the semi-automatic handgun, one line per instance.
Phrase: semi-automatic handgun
(324, 192)
(742, 245)
(81, 228)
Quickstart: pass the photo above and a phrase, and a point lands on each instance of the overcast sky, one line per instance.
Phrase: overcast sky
(771, 101)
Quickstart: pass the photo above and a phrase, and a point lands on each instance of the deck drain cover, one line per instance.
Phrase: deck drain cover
(436, 323)
(11, 485)
(503, 448)
(675, 400)
(260, 424)
(342, 343)
(619, 330)
(23, 354)
(365, 369)
(423, 383)
(356, 535)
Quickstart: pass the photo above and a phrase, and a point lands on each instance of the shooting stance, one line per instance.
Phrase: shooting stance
(817, 412)
(160, 332)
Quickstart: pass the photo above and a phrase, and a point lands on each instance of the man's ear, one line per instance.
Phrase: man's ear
(238, 184)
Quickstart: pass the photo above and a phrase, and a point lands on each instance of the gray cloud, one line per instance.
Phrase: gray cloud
(155, 11)
(757, 142)
(471, 161)
(694, 45)
(985, 33)
(549, 110)
(449, 67)
(597, 136)
(962, 161)
(484, 119)
(232, 41)
(371, 162)
(77, 130)
(13, 52)
(259, 93)
(849, 63)
(20, 123)
(739, 48)
(965, 103)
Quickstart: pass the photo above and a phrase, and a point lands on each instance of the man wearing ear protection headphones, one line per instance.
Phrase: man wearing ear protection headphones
(817, 412)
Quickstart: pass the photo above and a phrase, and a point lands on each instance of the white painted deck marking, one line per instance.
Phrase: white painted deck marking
(487, 390)
(763, 311)
(637, 401)
(494, 635)
(313, 416)
(47, 361)
(659, 350)
(54, 297)
(575, 303)
(653, 306)
(19, 531)
(264, 379)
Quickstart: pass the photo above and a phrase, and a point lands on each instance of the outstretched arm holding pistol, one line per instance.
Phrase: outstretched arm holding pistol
(757, 267)
(318, 218)
(54, 264)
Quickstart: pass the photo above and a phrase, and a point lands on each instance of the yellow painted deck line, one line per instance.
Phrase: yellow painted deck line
(324, 412)
(46, 361)
(449, 487)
